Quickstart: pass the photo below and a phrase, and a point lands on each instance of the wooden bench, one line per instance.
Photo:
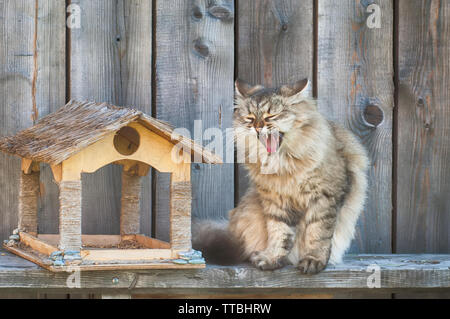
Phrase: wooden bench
(397, 274)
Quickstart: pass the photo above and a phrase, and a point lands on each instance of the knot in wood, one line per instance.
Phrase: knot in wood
(373, 115)
(197, 13)
(201, 48)
(220, 12)
(420, 102)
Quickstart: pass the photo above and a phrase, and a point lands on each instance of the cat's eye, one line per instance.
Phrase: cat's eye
(268, 117)
(249, 118)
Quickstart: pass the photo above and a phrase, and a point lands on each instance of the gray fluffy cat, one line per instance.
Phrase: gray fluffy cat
(305, 209)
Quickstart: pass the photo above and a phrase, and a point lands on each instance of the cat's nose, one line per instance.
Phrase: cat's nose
(259, 125)
(258, 131)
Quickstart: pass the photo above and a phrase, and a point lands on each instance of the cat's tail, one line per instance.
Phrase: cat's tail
(218, 246)
(357, 164)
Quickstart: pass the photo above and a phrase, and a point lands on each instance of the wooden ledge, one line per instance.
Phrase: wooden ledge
(397, 272)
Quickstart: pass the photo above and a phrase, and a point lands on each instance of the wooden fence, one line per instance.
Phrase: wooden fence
(177, 60)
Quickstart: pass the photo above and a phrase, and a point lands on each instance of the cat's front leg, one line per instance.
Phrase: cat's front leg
(280, 239)
(316, 231)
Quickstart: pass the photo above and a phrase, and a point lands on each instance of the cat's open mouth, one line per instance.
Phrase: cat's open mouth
(271, 141)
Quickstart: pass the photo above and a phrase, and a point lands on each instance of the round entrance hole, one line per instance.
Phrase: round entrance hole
(127, 141)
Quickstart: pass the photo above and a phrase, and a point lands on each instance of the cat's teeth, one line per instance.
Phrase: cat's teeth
(270, 141)
(274, 143)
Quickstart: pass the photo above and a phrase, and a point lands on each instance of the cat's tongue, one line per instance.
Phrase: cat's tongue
(271, 142)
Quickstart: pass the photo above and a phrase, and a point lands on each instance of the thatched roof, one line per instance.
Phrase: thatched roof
(77, 125)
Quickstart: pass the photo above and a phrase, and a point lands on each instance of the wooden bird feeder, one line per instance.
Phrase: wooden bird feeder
(82, 138)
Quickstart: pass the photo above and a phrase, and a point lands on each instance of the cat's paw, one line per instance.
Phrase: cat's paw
(264, 261)
(311, 266)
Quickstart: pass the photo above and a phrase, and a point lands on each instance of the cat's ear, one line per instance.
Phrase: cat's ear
(298, 90)
(244, 90)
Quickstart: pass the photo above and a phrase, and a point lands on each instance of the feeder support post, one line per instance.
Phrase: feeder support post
(180, 209)
(29, 197)
(131, 203)
(70, 215)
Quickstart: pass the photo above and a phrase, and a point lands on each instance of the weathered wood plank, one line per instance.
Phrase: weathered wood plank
(355, 71)
(423, 178)
(111, 62)
(135, 51)
(116, 296)
(397, 272)
(50, 95)
(10, 261)
(194, 72)
(266, 293)
(95, 75)
(17, 110)
(275, 47)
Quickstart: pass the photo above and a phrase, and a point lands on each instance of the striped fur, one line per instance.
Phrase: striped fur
(305, 209)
